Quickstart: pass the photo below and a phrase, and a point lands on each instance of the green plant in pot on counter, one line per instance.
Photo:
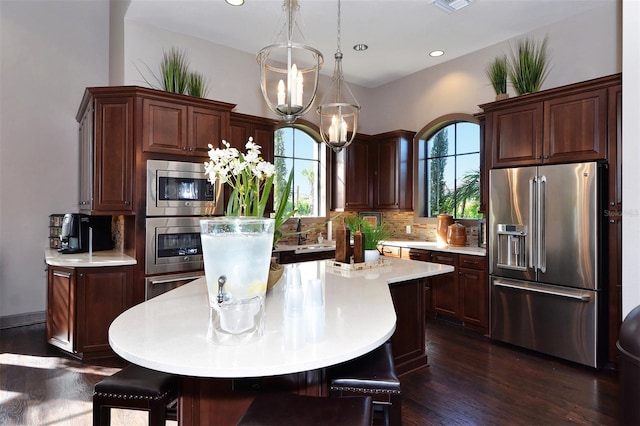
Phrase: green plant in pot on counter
(372, 234)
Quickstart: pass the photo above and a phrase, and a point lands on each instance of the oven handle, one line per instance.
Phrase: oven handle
(172, 279)
(580, 297)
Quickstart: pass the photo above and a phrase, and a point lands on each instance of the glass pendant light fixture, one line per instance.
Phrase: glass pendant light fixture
(338, 109)
(289, 69)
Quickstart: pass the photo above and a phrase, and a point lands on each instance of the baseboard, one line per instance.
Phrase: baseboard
(20, 320)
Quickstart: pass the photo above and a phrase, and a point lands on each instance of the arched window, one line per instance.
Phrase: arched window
(296, 148)
(448, 168)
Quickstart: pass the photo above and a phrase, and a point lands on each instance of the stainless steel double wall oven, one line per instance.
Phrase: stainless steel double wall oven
(178, 196)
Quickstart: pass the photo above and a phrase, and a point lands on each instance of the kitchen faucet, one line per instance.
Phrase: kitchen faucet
(301, 239)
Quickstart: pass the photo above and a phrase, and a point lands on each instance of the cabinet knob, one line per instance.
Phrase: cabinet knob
(190, 149)
(184, 148)
(612, 203)
(545, 156)
(126, 203)
(612, 221)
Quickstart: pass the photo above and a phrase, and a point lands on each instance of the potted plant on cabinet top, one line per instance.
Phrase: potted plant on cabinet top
(497, 74)
(528, 66)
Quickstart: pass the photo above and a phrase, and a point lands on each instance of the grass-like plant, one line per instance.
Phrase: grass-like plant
(174, 70)
(372, 234)
(197, 85)
(529, 65)
(497, 74)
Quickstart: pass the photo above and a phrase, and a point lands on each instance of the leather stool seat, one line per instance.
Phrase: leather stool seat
(281, 409)
(373, 375)
(135, 388)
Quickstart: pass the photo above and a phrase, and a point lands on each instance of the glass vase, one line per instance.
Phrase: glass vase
(237, 254)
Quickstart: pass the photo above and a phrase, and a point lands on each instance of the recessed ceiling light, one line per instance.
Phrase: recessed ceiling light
(360, 47)
(235, 2)
(436, 53)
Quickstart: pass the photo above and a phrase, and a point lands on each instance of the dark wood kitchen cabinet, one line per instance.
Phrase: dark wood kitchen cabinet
(82, 303)
(474, 292)
(561, 125)
(374, 173)
(183, 127)
(106, 152)
(461, 296)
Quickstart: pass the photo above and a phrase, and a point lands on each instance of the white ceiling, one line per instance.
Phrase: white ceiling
(399, 33)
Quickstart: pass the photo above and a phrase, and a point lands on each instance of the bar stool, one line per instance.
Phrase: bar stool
(135, 388)
(282, 409)
(373, 375)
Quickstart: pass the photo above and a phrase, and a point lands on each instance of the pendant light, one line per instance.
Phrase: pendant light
(338, 109)
(289, 70)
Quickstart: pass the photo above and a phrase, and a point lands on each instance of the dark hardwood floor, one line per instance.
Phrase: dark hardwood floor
(469, 381)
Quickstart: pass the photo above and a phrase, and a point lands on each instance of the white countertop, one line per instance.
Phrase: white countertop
(169, 332)
(432, 245)
(84, 260)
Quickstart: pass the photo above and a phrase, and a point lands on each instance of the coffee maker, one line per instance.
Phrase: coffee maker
(80, 231)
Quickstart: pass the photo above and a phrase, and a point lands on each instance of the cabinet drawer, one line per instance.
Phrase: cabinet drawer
(444, 258)
(421, 255)
(392, 251)
(472, 262)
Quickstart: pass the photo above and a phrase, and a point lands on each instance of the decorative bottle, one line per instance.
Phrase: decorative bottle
(358, 246)
(343, 244)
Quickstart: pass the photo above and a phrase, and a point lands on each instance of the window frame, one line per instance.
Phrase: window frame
(426, 133)
(322, 182)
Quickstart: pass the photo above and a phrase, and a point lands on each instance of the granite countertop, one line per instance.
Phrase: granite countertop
(84, 260)
(432, 245)
(169, 332)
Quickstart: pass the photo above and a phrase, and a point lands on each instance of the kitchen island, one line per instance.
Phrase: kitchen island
(363, 309)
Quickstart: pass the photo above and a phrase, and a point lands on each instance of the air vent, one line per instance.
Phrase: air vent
(452, 5)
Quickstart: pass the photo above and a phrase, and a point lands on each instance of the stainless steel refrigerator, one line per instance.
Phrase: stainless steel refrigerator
(544, 259)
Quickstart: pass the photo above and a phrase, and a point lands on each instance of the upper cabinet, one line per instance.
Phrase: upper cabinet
(184, 126)
(106, 152)
(374, 172)
(116, 121)
(562, 125)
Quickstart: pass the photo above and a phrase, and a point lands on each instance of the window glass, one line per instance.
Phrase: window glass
(297, 150)
(449, 171)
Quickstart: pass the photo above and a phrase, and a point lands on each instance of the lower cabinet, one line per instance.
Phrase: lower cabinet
(82, 303)
(285, 257)
(461, 296)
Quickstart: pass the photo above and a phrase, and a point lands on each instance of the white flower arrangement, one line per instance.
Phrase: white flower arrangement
(249, 175)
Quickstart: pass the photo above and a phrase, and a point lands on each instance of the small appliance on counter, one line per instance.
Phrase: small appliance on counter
(79, 231)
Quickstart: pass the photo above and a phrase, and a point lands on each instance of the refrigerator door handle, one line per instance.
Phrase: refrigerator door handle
(532, 263)
(542, 252)
(581, 297)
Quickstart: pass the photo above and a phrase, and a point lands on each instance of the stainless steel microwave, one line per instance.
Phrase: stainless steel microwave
(176, 188)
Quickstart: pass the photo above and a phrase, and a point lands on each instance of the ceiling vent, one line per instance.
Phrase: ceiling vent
(452, 5)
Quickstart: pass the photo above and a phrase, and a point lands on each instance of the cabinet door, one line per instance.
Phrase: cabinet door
(206, 126)
(474, 288)
(516, 135)
(386, 186)
(358, 191)
(102, 295)
(575, 127)
(408, 340)
(164, 127)
(86, 135)
(61, 308)
(444, 288)
(113, 172)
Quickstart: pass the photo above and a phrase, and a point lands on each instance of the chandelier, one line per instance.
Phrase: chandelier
(289, 70)
(338, 109)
